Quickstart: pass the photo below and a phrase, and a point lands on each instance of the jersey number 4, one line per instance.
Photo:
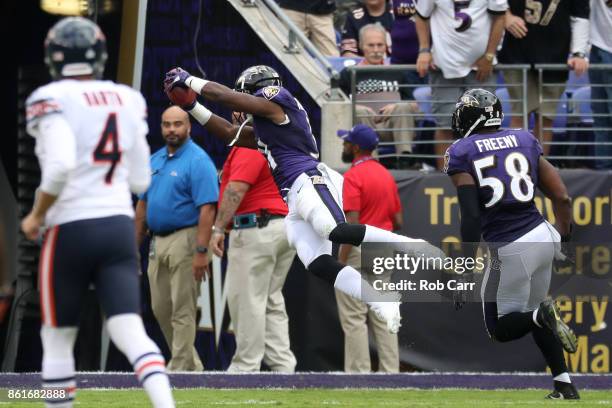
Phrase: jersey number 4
(107, 150)
(517, 167)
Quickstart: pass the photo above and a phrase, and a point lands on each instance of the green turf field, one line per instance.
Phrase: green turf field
(334, 398)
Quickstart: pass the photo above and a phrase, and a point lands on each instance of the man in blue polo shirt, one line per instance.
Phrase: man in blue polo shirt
(178, 210)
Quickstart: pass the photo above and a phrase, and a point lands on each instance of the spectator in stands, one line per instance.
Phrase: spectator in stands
(372, 12)
(601, 53)
(529, 42)
(316, 19)
(403, 33)
(384, 85)
(259, 257)
(178, 210)
(465, 37)
(369, 195)
(405, 40)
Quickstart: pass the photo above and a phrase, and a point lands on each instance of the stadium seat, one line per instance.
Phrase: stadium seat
(560, 120)
(339, 63)
(422, 95)
(580, 103)
(575, 82)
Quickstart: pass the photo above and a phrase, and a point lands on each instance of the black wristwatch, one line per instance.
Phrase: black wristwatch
(578, 55)
(201, 249)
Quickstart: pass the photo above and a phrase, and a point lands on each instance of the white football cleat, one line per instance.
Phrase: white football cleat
(390, 313)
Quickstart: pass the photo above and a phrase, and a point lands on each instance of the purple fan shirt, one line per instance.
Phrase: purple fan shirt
(403, 34)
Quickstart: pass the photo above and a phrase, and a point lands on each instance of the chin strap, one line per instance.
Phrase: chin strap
(470, 130)
(248, 119)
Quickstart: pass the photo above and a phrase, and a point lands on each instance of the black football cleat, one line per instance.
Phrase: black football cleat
(549, 315)
(564, 391)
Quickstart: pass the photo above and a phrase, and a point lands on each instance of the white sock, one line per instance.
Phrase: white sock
(349, 281)
(58, 364)
(563, 377)
(534, 317)
(129, 335)
(375, 234)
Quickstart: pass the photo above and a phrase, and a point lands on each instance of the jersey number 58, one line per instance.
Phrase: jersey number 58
(517, 167)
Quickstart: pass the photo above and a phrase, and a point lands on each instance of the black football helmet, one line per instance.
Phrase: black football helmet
(75, 46)
(257, 77)
(476, 109)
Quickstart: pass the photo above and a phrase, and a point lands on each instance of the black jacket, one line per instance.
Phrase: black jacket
(309, 6)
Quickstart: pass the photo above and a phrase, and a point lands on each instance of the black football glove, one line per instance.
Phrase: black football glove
(567, 256)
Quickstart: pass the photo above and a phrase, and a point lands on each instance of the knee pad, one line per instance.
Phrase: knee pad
(325, 267)
(346, 233)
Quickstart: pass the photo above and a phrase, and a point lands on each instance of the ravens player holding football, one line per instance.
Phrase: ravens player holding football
(281, 131)
(496, 172)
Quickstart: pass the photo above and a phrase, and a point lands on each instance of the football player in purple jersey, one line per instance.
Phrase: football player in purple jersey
(496, 173)
(313, 191)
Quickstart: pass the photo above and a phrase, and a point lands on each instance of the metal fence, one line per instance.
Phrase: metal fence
(572, 127)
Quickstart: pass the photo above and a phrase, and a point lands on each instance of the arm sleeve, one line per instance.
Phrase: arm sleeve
(351, 193)
(425, 7)
(204, 181)
(56, 150)
(139, 154)
(470, 218)
(580, 34)
(247, 165)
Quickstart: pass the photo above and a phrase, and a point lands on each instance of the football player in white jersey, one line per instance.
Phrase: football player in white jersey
(92, 148)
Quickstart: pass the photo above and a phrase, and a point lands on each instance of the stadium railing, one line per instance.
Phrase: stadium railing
(296, 38)
(573, 127)
(573, 118)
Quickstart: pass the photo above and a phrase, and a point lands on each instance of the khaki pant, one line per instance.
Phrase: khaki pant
(174, 294)
(355, 319)
(318, 28)
(403, 123)
(258, 262)
(547, 109)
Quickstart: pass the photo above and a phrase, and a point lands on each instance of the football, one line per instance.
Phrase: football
(181, 96)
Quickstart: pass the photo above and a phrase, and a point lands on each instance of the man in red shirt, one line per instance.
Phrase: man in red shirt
(369, 196)
(259, 257)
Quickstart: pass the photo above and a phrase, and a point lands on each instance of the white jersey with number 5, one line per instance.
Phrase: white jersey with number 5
(91, 145)
(460, 31)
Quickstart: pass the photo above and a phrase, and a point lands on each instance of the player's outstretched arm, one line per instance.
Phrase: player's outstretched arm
(219, 127)
(216, 92)
(553, 187)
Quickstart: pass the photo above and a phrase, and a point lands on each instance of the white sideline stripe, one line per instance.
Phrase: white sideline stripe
(329, 373)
